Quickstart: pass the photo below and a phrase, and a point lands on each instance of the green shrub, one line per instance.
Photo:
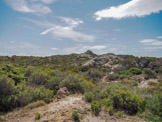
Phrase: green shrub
(119, 97)
(112, 77)
(94, 95)
(76, 83)
(125, 73)
(149, 73)
(42, 93)
(127, 101)
(110, 109)
(106, 91)
(37, 116)
(53, 84)
(129, 73)
(8, 94)
(28, 95)
(107, 102)
(95, 73)
(29, 71)
(119, 113)
(73, 83)
(151, 117)
(38, 78)
(160, 70)
(88, 96)
(135, 71)
(75, 116)
(95, 107)
(154, 105)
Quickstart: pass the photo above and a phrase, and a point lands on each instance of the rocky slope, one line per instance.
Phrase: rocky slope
(61, 111)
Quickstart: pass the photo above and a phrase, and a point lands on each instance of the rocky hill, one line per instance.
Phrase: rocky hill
(80, 87)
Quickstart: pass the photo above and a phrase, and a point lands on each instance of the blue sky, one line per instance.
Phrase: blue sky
(50, 27)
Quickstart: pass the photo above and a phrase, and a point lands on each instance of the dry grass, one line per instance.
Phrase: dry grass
(36, 104)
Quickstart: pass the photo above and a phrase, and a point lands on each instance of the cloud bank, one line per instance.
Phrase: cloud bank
(134, 8)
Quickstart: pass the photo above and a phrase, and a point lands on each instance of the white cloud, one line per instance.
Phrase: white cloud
(72, 22)
(30, 6)
(44, 1)
(69, 33)
(159, 37)
(117, 29)
(148, 40)
(133, 8)
(54, 48)
(64, 32)
(96, 47)
(153, 42)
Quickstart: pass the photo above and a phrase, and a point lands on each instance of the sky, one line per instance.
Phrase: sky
(52, 27)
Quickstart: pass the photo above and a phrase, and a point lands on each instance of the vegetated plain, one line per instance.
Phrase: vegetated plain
(113, 87)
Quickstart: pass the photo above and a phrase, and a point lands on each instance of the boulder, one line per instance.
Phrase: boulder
(62, 92)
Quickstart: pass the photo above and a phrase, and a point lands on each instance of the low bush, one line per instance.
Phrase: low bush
(95, 74)
(88, 96)
(127, 101)
(38, 78)
(149, 73)
(53, 84)
(28, 95)
(110, 109)
(37, 116)
(125, 73)
(76, 83)
(112, 77)
(129, 73)
(29, 71)
(135, 71)
(119, 97)
(8, 94)
(95, 107)
(154, 105)
(75, 116)
(119, 113)
(107, 102)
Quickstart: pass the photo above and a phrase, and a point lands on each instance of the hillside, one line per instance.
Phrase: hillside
(84, 86)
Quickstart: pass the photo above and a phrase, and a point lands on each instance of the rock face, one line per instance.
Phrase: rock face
(62, 92)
